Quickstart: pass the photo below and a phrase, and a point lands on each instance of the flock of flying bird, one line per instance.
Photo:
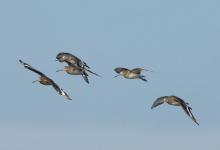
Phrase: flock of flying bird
(78, 67)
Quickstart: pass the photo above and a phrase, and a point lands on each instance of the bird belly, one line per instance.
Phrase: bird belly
(74, 72)
(45, 81)
(131, 76)
(174, 103)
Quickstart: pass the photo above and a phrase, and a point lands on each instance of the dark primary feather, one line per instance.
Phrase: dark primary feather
(188, 111)
(158, 102)
(59, 90)
(31, 68)
(142, 78)
(56, 87)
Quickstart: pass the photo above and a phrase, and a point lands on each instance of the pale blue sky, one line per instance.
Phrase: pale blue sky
(177, 39)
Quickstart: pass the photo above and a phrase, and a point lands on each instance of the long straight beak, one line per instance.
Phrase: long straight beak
(116, 76)
(59, 70)
(35, 81)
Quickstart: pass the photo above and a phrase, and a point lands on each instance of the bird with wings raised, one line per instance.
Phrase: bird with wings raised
(75, 65)
(176, 101)
(43, 79)
(70, 59)
(130, 74)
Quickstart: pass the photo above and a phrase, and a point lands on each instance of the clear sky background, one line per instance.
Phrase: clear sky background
(179, 40)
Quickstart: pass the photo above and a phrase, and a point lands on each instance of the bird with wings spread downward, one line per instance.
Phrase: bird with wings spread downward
(176, 101)
(43, 79)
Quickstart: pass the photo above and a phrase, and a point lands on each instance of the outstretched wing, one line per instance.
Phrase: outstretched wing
(187, 109)
(31, 68)
(61, 54)
(59, 90)
(137, 70)
(158, 102)
(70, 59)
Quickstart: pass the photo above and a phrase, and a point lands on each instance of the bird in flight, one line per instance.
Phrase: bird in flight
(43, 79)
(73, 70)
(176, 101)
(75, 65)
(130, 74)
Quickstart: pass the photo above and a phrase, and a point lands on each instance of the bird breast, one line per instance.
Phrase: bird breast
(173, 102)
(73, 71)
(131, 75)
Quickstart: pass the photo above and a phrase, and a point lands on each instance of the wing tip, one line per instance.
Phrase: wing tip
(21, 61)
(145, 80)
(69, 98)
